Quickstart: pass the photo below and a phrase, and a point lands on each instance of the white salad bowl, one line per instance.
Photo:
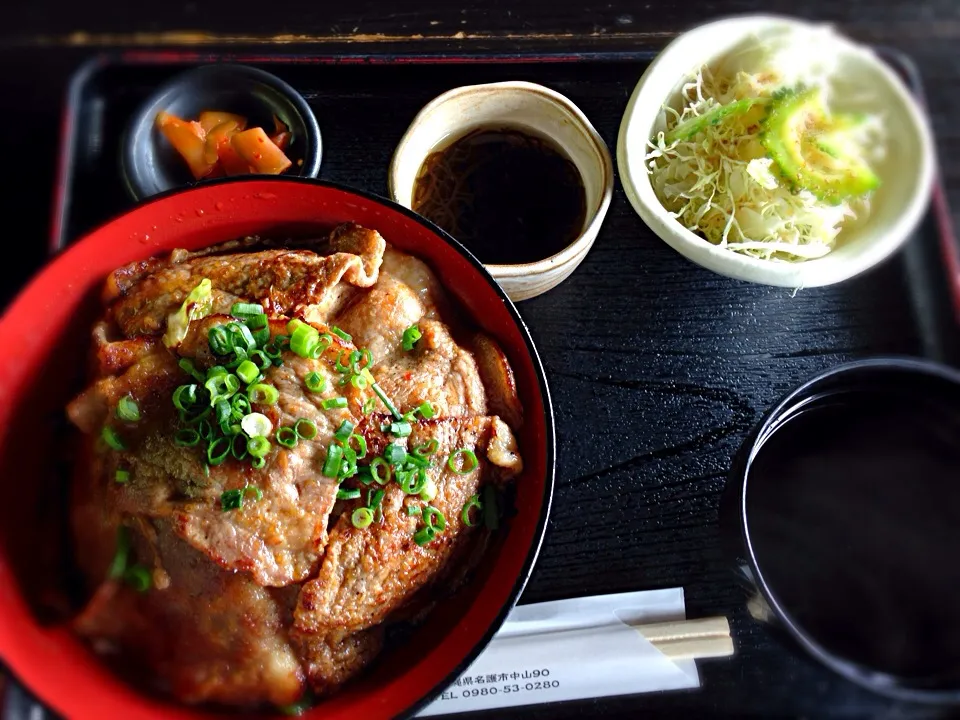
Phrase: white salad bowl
(863, 83)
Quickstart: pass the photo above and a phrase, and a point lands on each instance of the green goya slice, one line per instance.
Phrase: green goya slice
(811, 148)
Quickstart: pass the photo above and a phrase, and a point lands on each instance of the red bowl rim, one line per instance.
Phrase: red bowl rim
(548, 416)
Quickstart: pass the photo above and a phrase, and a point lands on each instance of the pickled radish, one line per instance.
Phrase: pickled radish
(188, 139)
(209, 119)
(260, 152)
(220, 144)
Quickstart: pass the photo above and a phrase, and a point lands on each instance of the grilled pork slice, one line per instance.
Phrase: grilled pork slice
(369, 573)
(255, 604)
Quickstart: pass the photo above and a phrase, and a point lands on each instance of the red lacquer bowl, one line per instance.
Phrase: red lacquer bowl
(43, 349)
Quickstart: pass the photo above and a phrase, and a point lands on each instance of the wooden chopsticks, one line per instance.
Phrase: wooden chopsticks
(686, 639)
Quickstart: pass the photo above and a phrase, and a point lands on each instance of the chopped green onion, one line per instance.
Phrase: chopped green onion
(218, 450)
(428, 448)
(138, 577)
(429, 491)
(334, 403)
(362, 517)
(374, 498)
(491, 513)
(256, 424)
(260, 359)
(468, 465)
(231, 500)
(252, 489)
(258, 462)
(239, 406)
(241, 337)
(305, 428)
(426, 410)
(375, 471)
(386, 401)
(343, 432)
(260, 335)
(341, 334)
(363, 362)
(248, 372)
(412, 482)
(394, 454)
(472, 502)
(122, 554)
(358, 381)
(414, 510)
(348, 493)
(410, 337)
(127, 409)
(400, 429)
(219, 340)
(416, 461)
(222, 387)
(368, 405)
(186, 437)
(258, 446)
(303, 340)
(331, 467)
(348, 467)
(186, 364)
(223, 411)
(121, 476)
(111, 438)
(263, 394)
(341, 367)
(196, 305)
(424, 535)
(217, 370)
(287, 437)
(315, 382)
(434, 518)
(240, 309)
(238, 446)
(361, 445)
(185, 397)
(323, 342)
(204, 430)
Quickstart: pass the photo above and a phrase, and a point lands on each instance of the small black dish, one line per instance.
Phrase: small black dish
(148, 163)
(842, 514)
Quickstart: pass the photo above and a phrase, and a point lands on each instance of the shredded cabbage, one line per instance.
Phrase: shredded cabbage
(721, 183)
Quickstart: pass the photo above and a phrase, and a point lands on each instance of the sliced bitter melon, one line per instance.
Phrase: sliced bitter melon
(689, 128)
(812, 149)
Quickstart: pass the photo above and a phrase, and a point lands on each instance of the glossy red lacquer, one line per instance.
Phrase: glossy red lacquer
(43, 349)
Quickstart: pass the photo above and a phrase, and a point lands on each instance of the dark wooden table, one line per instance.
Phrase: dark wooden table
(657, 367)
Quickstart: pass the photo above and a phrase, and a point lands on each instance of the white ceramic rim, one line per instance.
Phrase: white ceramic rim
(810, 273)
(580, 120)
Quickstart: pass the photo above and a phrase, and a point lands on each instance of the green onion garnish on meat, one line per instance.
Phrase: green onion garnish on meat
(464, 467)
(112, 439)
(362, 517)
(127, 409)
(410, 337)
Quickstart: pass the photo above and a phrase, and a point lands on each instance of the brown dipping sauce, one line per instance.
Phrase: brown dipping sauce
(853, 509)
(509, 196)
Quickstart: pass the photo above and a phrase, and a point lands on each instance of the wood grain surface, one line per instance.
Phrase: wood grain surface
(657, 368)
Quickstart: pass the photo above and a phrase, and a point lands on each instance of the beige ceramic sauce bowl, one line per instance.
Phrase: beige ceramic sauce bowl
(524, 106)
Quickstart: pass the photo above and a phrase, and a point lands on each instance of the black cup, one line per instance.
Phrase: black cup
(930, 386)
(149, 165)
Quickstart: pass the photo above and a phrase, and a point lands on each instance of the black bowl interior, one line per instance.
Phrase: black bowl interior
(150, 165)
(850, 537)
